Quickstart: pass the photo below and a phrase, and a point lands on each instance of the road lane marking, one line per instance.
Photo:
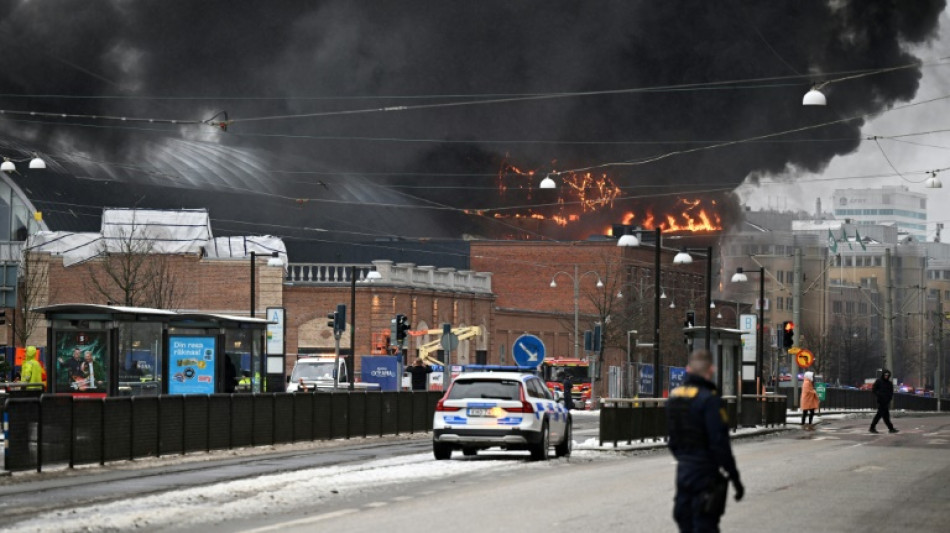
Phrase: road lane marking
(375, 505)
(302, 521)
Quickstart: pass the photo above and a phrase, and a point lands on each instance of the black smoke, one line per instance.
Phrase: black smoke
(190, 60)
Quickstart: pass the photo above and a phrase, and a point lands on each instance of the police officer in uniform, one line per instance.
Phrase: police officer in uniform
(699, 439)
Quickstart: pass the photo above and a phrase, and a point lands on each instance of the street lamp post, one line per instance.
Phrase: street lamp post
(628, 240)
(740, 277)
(273, 261)
(683, 258)
(576, 278)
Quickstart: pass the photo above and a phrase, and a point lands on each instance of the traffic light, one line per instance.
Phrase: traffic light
(3, 316)
(788, 334)
(337, 319)
(402, 329)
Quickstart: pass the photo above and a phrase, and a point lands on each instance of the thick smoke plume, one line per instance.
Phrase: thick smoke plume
(190, 60)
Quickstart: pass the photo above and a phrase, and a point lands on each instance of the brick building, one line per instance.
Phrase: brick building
(522, 275)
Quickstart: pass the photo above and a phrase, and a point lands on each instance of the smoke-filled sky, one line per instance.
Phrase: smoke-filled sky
(914, 140)
(305, 84)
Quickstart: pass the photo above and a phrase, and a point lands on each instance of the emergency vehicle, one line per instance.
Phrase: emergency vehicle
(578, 369)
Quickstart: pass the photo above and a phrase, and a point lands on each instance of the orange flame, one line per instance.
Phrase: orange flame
(582, 193)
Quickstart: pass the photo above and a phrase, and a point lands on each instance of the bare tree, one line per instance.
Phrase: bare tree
(164, 290)
(32, 292)
(131, 271)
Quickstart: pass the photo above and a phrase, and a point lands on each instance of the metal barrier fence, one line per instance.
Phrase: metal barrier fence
(836, 398)
(642, 419)
(62, 430)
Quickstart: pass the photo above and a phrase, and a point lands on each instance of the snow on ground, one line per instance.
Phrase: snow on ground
(245, 497)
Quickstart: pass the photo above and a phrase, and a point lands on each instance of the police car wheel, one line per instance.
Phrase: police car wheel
(468, 452)
(540, 451)
(563, 448)
(441, 451)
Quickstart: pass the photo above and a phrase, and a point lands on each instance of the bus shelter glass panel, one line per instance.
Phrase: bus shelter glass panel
(242, 347)
(82, 362)
(140, 358)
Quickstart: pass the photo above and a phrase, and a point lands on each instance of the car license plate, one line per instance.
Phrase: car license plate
(481, 411)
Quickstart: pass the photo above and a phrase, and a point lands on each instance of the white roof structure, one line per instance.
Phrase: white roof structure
(156, 231)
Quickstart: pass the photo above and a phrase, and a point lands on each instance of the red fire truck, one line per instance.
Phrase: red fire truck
(578, 369)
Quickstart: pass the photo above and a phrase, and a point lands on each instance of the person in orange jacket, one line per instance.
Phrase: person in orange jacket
(809, 401)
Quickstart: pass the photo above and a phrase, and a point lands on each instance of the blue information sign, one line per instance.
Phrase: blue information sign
(384, 370)
(677, 377)
(528, 350)
(646, 379)
(191, 365)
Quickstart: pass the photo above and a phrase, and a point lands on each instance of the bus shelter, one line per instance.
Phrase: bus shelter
(726, 347)
(108, 350)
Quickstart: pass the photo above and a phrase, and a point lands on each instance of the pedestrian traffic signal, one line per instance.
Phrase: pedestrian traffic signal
(3, 316)
(788, 334)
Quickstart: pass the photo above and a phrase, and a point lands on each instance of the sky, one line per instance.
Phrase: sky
(448, 114)
(923, 147)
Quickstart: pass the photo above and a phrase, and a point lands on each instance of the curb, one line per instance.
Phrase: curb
(644, 446)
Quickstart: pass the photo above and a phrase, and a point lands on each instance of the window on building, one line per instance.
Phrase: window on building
(780, 302)
(863, 308)
(878, 261)
(836, 306)
(848, 261)
(849, 308)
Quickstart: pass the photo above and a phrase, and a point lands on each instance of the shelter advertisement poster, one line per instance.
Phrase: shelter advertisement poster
(191, 365)
(81, 363)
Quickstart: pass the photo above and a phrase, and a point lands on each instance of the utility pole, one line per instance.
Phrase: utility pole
(938, 384)
(888, 313)
(796, 319)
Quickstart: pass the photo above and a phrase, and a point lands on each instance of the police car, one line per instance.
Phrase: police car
(507, 409)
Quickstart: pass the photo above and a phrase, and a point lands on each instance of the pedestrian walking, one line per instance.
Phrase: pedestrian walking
(420, 375)
(567, 387)
(809, 401)
(883, 389)
(699, 439)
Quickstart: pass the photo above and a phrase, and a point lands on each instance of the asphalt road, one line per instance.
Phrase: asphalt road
(839, 478)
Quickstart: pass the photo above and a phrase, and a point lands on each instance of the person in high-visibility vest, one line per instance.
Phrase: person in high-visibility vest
(32, 372)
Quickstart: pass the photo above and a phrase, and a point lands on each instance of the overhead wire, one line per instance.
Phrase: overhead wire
(489, 99)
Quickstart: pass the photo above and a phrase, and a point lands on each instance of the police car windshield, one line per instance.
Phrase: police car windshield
(507, 389)
(312, 371)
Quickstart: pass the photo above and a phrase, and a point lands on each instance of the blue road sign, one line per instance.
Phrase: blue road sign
(677, 376)
(646, 379)
(528, 350)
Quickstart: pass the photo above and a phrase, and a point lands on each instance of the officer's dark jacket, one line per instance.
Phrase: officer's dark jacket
(699, 433)
(883, 389)
(419, 375)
